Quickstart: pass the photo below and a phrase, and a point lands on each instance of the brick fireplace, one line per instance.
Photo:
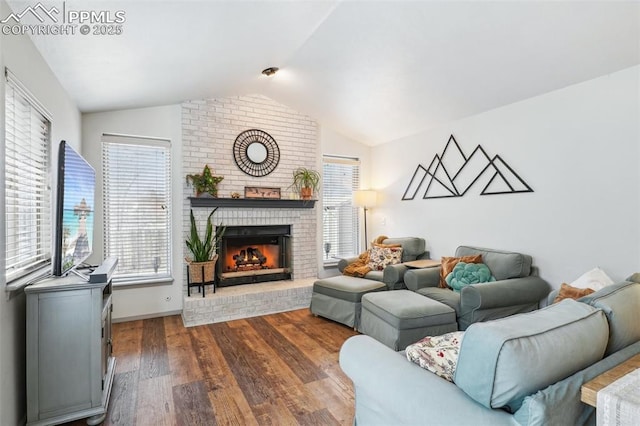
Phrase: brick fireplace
(254, 254)
(209, 129)
(260, 298)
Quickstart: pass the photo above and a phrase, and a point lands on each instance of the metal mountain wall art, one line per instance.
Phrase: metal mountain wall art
(453, 173)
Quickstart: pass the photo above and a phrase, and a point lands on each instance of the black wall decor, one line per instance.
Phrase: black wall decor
(256, 153)
(453, 173)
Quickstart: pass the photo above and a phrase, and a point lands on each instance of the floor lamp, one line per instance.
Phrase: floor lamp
(365, 198)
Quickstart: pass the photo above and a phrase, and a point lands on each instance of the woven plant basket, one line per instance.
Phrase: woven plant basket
(196, 270)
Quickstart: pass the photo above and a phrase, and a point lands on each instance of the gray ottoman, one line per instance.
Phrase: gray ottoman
(338, 298)
(401, 317)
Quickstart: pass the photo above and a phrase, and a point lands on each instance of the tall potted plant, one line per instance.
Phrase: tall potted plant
(202, 265)
(306, 182)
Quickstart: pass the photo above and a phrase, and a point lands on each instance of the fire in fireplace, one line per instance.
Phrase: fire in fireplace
(254, 257)
(251, 258)
(252, 254)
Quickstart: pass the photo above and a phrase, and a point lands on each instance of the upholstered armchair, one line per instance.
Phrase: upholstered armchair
(413, 248)
(516, 289)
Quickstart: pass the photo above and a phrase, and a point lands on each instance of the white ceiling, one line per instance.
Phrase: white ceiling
(374, 71)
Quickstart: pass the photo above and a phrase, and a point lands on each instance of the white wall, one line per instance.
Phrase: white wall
(21, 57)
(333, 143)
(160, 122)
(578, 148)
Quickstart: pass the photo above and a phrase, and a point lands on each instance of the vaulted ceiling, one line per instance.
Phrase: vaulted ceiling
(373, 70)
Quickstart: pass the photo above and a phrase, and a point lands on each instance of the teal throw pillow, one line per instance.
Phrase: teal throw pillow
(465, 274)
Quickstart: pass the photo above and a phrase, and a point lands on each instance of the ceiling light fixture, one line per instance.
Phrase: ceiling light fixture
(270, 71)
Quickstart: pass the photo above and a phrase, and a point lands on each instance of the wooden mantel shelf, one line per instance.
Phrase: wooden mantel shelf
(252, 203)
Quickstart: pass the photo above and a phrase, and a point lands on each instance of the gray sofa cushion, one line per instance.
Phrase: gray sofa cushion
(634, 277)
(404, 309)
(393, 391)
(621, 304)
(560, 404)
(503, 361)
(442, 295)
(502, 264)
(347, 288)
(412, 247)
(374, 275)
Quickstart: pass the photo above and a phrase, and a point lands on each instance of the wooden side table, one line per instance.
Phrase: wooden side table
(589, 391)
(423, 263)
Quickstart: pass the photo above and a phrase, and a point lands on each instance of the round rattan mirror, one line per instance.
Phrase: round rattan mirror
(256, 153)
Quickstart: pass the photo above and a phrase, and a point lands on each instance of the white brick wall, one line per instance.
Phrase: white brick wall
(229, 303)
(209, 129)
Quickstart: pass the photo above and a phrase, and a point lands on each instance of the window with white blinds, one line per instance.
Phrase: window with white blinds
(27, 188)
(340, 223)
(137, 206)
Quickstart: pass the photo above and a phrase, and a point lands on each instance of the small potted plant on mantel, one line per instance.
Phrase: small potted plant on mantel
(205, 183)
(306, 182)
(202, 265)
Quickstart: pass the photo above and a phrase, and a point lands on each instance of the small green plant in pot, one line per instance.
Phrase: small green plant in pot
(205, 182)
(204, 250)
(306, 182)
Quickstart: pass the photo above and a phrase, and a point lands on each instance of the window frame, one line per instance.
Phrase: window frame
(355, 163)
(42, 195)
(152, 142)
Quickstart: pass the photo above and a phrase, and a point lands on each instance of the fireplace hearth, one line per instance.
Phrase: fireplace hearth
(254, 254)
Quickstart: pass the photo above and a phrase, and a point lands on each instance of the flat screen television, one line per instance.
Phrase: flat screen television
(75, 208)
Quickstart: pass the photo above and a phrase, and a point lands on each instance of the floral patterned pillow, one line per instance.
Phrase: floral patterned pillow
(380, 257)
(437, 354)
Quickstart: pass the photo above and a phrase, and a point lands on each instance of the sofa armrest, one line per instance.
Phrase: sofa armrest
(393, 276)
(505, 293)
(391, 390)
(416, 279)
(552, 296)
(342, 263)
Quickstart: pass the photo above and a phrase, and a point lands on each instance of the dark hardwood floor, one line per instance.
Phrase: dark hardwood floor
(279, 369)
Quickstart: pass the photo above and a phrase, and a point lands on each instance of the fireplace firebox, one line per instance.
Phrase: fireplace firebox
(254, 254)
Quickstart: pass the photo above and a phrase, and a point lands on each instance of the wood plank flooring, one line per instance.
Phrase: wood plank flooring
(279, 369)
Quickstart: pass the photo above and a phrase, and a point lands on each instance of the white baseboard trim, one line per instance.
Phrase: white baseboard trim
(147, 316)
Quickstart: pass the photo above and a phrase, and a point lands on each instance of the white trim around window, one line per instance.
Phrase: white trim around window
(27, 188)
(340, 219)
(137, 207)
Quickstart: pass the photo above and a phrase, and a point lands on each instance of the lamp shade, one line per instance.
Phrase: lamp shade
(365, 198)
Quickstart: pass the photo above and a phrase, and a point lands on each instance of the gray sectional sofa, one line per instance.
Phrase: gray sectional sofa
(524, 369)
(413, 248)
(339, 298)
(416, 307)
(517, 288)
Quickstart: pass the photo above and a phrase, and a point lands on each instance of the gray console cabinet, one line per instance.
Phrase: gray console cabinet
(70, 367)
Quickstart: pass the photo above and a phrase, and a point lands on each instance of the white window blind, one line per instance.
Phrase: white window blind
(137, 206)
(27, 187)
(340, 223)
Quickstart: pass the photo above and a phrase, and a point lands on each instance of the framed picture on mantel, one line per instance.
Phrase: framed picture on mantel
(261, 192)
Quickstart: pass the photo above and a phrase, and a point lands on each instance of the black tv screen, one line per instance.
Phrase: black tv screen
(75, 209)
